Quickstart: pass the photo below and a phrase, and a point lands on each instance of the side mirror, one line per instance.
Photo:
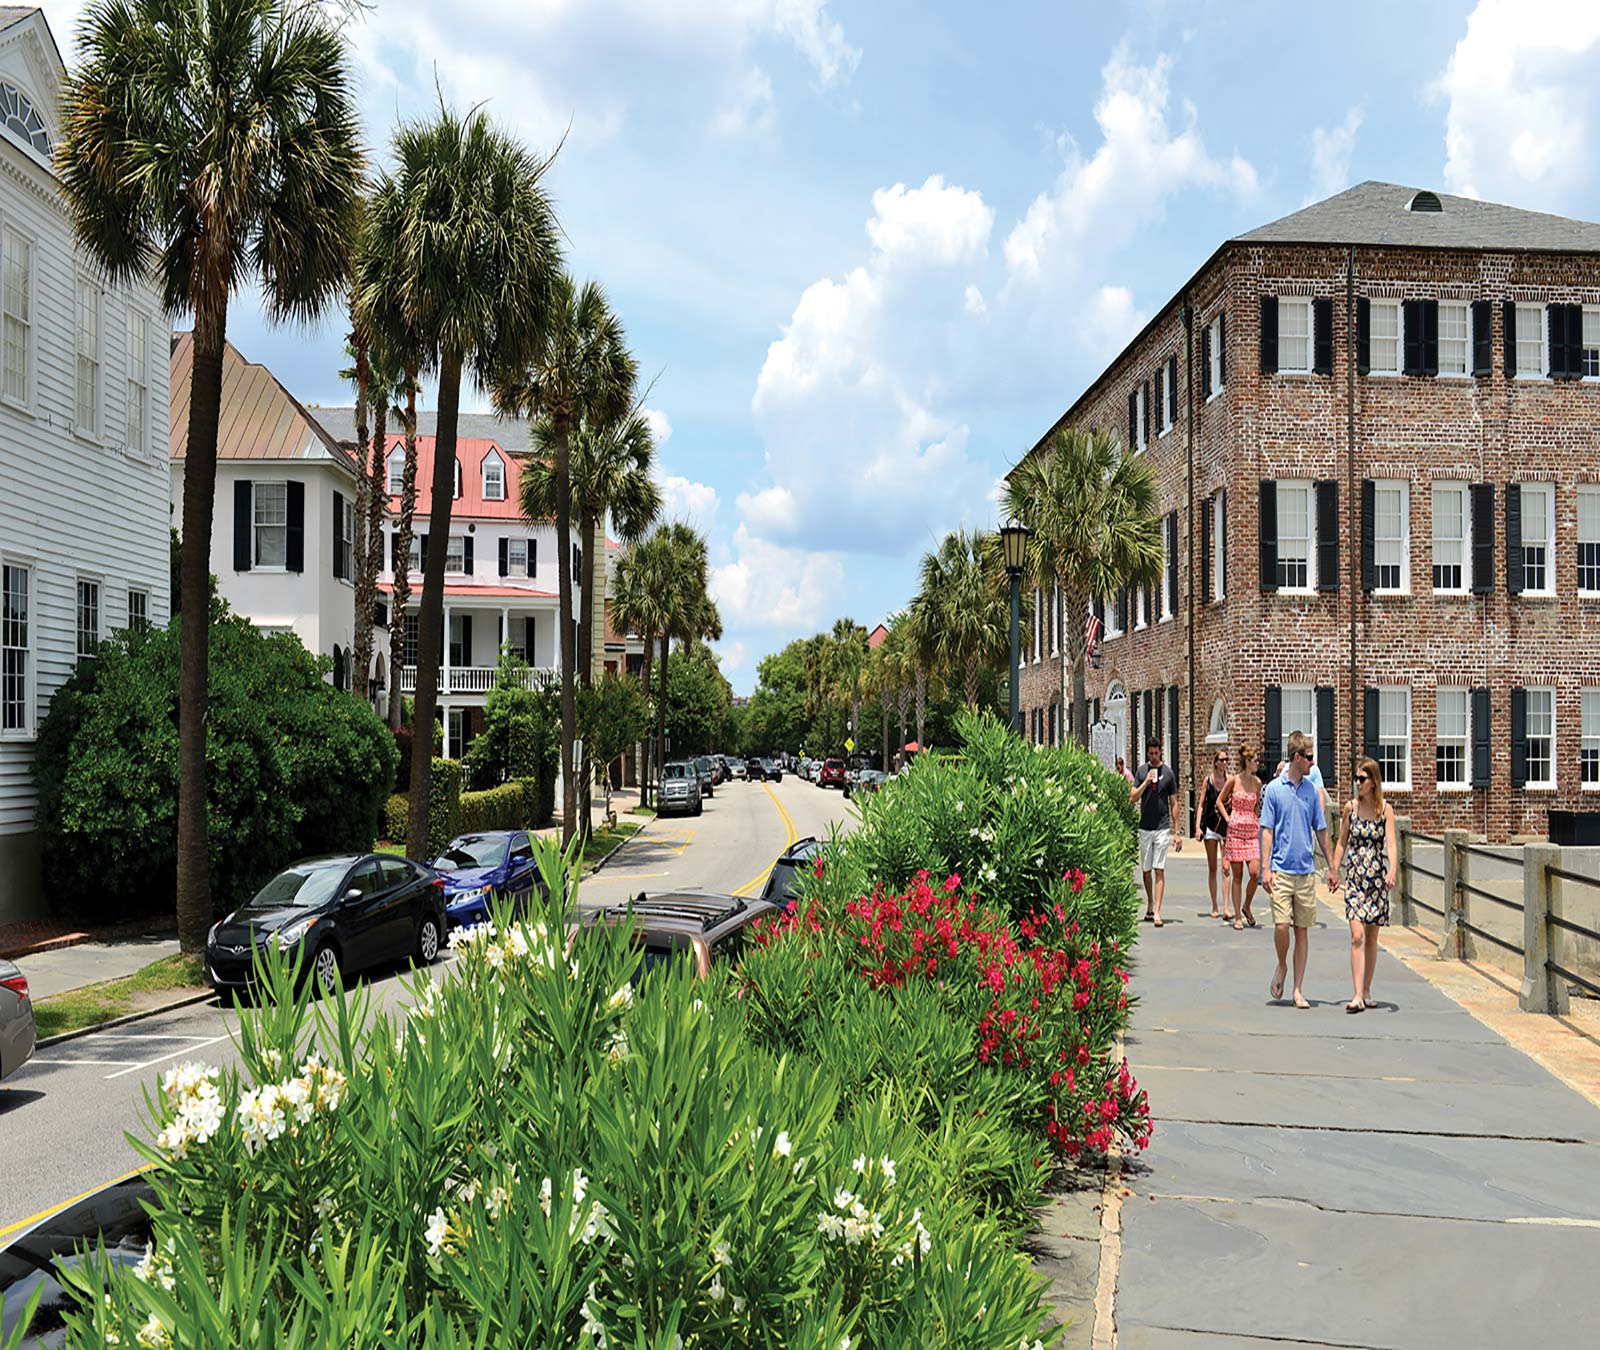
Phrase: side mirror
(353, 894)
(519, 859)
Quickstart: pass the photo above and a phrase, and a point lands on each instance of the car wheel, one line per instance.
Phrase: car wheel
(699, 807)
(428, 940)
(325, 973)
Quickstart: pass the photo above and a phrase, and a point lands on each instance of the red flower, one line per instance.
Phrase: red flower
(951, 882)
(816, 868)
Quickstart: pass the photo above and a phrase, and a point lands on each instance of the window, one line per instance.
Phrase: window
(1217, 728)
(1450, 517)
(1216, 356)
(1144, 416)
(88, 358)
(1386, 347)
(414, 563)
(494, 478)
(1394, 738)
(138, 610)
(1453, 729)
(1055, 621)
(1530, 341)
(408, 641)
(517, 557)
(1591, 342)
(1294, 535)
(138, 380)
(16, 675)
(344, 555)
(21, 118)
(88, 617)
(1455, 338)
(1219, 536)
(1141, 615)
(457, 729)
(457, 492)
(1163, 400)
(1163, 605)
(16, 293)
(1540, 738)
(460, 648)
(396, 467)
(455, 555)
(1392, 535)
(1299, 711)
(1113, 612)
(1538, 521)
(1589, 540)
(271, 524)
(1589, 751)
(1294, 335)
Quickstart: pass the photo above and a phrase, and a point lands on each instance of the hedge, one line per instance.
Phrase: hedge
(501, 808)
(526, 804)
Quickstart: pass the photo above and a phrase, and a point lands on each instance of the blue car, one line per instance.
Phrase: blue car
(477, 867)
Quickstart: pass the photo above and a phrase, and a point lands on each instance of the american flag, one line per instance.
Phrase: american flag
(1091, 633)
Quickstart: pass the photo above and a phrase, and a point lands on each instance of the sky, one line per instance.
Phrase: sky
(868, 250)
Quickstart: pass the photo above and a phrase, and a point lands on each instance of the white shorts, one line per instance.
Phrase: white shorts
(1212, 834)
(1153, 846)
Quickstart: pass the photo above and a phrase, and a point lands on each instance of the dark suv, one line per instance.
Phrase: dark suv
(695, 925)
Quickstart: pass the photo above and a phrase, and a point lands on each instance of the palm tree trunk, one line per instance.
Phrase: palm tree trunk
(922, 706)
(361, 651)
(402, 552)
(883, 701)
(368, 548)
(377, 500)
(902, 698)
(564, 628)
(970, 681)
(644, 753)
(586, 654)
(661, 704)
(430, 622)
(194, 632)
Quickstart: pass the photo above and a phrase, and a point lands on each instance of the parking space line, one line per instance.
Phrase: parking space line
(181, 1050)
(69, 1063)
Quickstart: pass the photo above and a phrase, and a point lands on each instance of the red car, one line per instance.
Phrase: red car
(832, 774)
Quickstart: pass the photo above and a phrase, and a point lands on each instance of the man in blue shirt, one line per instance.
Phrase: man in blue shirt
(1291, 817)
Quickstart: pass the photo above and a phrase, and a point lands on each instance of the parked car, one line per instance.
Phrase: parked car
(720, 764)
(772, 770)
(780, 888)
(17, 1033)
(331, 916)
(865, 780)
(736, 767)
(832, 774)
(477, 867)
(680, 789)
(691, 925)
(755, 769)
(708, 783)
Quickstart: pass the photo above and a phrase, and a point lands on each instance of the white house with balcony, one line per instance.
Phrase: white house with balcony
(83, 492)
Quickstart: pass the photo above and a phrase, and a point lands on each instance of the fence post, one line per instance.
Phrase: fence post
(1457, 942)
(1401, 910)
(1541, 991)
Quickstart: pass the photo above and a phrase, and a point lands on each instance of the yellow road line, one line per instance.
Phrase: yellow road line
(759, 880)
(57, 1208)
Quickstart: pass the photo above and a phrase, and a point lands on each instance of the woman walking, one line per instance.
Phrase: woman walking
(1368, 875)
(1238, 804)
(1211, 830)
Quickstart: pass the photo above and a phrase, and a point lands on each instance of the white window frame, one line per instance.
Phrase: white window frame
(1217, 729)
(1310, 535)
(455, 556)
(517, 566)
(1588, 518)
(28, 646)
(394, 472)
(1394, 307)
(1218, 581)
(1453, 740)
(347, 538)
(455, 731)
(1113, 628)
(1055, 625)
(1290, 725)
(1141, 614)
(257, 526)
(414, 560)
(1164, 599)
(88, 302)
(1143, 402)
(1590, 363)
(1461, 309)
(1381, 487)
(1589, 743)
(1163, 398)
(1038, 626)
(1533, 316)
(1530, 782)
(457, 494)
(141, 620)
(1216, 358)
(493, 460)
(1387, 739)
(1461, 489)
(17, 312)
(136, 326)
(1547, 491)
(1300, 304)
(97, 614)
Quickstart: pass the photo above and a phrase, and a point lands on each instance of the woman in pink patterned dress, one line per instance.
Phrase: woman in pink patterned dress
(1238, 804)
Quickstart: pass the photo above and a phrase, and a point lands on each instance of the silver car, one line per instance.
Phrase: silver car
(17, 1034)
(680, 789)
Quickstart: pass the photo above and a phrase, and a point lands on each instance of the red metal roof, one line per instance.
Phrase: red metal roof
(465, 590)
(471, 504)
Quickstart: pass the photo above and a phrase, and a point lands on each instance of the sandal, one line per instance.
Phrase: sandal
(1160, 923)
(1250, 921)
(1355, 1005)
(1300, 1002)
(1237, 926)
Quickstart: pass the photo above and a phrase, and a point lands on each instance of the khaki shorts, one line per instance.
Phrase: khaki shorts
(1153, 846)
(1294, 898)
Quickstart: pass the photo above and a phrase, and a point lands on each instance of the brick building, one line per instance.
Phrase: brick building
(1375, 431)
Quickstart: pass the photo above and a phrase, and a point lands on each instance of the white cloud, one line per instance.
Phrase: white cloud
(730, 655)
(750, 109)
(660, 425)
(686, 500)
(770, 511)
(767, 587)
(1522, 99)
(973, 302)
(931, 224)
(1331, 151)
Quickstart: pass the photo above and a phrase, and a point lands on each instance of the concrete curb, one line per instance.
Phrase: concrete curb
(188, 1000)
(620, 845)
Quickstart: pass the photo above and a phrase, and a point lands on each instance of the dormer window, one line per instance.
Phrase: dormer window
(494, 478)
(22, 119)
(396, 466)
(458, 480)
(1425, 201)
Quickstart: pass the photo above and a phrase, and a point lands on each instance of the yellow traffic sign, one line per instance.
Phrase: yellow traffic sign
(849, 744)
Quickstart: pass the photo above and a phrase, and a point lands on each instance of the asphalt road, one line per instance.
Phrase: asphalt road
(64, 1117)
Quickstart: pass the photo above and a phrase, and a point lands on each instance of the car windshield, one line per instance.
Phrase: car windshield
(300, 887)
(472, 850)
(675, 771)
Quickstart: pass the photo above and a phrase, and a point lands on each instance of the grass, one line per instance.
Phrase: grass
(602, 842)
(648, 812)
(97, 1003)
(384, 846)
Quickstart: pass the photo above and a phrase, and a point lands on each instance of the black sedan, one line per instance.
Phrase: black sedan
(332, 915)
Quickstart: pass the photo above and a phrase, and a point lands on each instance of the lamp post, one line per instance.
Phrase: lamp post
(1013, 545)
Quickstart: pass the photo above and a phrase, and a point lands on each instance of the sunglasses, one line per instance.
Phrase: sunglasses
(1363, 778)
(1306, 755)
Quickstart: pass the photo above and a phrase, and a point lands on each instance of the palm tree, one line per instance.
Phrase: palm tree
(1093, 527)
(464, 258)
(384, 378)
(637, 608)
(357, 349)
(963, 607)
(407, 414)
(210, 145)
(846, 656)
(580, 373)
(679, 573)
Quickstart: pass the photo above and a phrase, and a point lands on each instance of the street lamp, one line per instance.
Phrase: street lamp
(1013, 546)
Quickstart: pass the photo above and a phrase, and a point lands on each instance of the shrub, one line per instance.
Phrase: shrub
(501, 808)
(294, 766)
(444, 804)
(402, 769)
(395, 813)
(538, 803)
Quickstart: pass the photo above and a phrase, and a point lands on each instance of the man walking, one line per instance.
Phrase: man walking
(1155, 788)
(1291, 815)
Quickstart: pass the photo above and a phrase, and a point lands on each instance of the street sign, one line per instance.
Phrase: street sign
(849, 744)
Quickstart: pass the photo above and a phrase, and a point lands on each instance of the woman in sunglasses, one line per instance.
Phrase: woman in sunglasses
(1368, 874)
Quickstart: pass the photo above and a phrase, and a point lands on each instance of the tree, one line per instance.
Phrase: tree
(636, 608)
(679, 571)
(845, 657)
(581, 372)
(521, 727)
(697, 701)
(963, 607)
(463, 259)
(613, 715)
(210, 145)
(407, 414)
(1092, 528)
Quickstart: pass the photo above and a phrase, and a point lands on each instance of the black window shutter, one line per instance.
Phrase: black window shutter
(1566, 341)
(466, 555)
(1322, 334)
(505, 557)
(1328, 535)
(1160, 396)
(1172, 389)
(1149, 717)
(338, 521)
(295, 536)
(244, 511)
(1172, 563)
(1556, 329)
(1482, 338)
(394, 553)
(1575, 341)
(1369, 723)
(1269, 334)
(1363, 334)
(1133, 730)
(1269, 535)
(1480, 738)
(1172, 722)
(1149, 414)
(380, 613)
(1430, 337)
(1272, 731)
(1325, 753)
(1519, 737)
(1482, 538)
(528, 632)
(1133, 419)
(1222, 505)
(1369, 529)
(533, 557)
(422, 553)
(338, 666)
(1514, 581)
(1160, 723)
(1222, 343)
(1122, 610)
(1205, 362)
(1205, 551)
(1412, 322)
(1508, 316)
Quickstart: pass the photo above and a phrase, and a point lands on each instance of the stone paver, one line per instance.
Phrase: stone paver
(68, 968)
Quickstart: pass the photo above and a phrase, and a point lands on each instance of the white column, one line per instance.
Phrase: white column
(445, 683)
(505, 629)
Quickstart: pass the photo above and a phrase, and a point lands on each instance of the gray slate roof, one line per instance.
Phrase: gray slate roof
(1375, 213)
(510, 433)
(10, 14)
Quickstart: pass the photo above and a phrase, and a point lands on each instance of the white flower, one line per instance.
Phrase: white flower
(781, 1147)
(434, 1233)
(623, 998)
(886, 1164)
(738, 1304)
(716, 1291)
(843, 1199)
(153, 1333)
(617, 1051)
(719, 1254)
(860, 1164)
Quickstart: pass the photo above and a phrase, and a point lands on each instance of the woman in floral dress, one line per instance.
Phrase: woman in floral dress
(1238, 805)
(1370, 857)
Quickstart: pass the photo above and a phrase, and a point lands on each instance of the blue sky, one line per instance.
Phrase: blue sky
(869, 251)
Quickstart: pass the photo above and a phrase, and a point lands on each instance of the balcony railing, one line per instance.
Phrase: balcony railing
(465, 679)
